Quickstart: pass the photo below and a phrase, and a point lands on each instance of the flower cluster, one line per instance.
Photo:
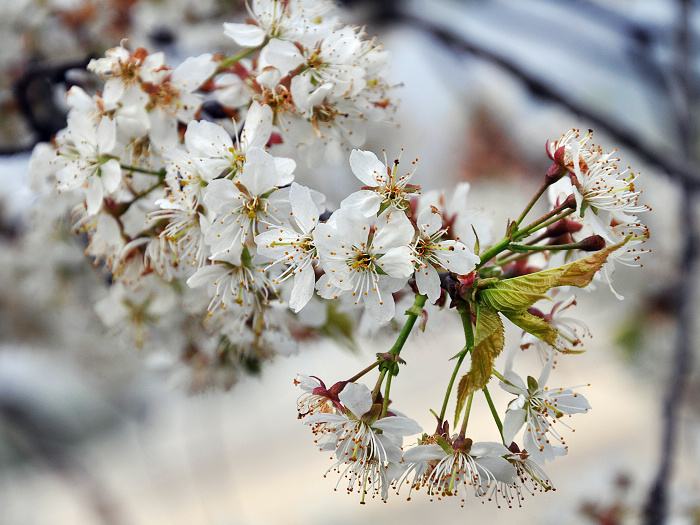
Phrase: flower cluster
(199, 227)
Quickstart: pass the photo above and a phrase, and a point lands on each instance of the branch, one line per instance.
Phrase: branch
(678, 170)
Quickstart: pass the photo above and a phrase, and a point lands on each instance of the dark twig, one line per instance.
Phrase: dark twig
(656, 508)
(679, 170)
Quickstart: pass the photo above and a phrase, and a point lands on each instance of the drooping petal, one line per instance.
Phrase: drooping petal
(93, 195)
(357, 398)
(423, 453)
(398, 425)
(111, 174)
(303, 289)
(428, 282)
(512, 423)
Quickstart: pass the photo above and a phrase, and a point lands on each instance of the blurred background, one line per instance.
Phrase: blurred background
(94, 431)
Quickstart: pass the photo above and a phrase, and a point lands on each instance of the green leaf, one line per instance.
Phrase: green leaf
(519, 293)
(488, 344)
(534, 325)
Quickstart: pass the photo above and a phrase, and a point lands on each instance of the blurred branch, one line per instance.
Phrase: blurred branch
(678, 169)
(34, 95)
(656, 508)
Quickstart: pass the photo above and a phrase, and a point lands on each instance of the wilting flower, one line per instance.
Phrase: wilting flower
(365, 446)
(232, 283)
(457, 466)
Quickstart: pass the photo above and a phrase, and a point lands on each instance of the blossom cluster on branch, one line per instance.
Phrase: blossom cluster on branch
(184, 187)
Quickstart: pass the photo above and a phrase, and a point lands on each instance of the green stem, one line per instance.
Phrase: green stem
(411, 315)
(552, 221)
(494, 412)
(363, 372)
(159, 173)
(467, 410)
(229, 61)
(517, 247)
(499, 376)
(532, 203)
(378, 385)
(446, 399)
(387, 390)
(544, 221)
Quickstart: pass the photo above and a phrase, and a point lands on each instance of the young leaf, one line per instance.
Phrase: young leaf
(534, 325)
(519, 293)
(488, 344)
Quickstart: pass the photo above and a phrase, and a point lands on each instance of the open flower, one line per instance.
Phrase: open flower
(384, 187)
(457, 466)
(293, 247)
(230, 284)
(432, 253)
(85, 149)
(291, 20)
(539, 409)
(212, 152)
(366, 259)
(365, 446)
(240, 206)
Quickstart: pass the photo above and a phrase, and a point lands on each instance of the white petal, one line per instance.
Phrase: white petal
(245, 35)
(93, 195)
(303, 290)
(456, 257)
(428, 282)
(106, 135)
(260, 172)
(111, 174)
(193, 72)
(422, 453)
(367, 167)
(429, 221)
(280, 54)
(207, 139)
(500, 468)
(303, 207)
(393, 229)
(258, 126)
(285, 170)
(357, 398)
(363, 202)
(512, 423)
(398, 425)
(397, 262)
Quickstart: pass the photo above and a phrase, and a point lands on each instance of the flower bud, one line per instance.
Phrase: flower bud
(591, 244)
(563, 227)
